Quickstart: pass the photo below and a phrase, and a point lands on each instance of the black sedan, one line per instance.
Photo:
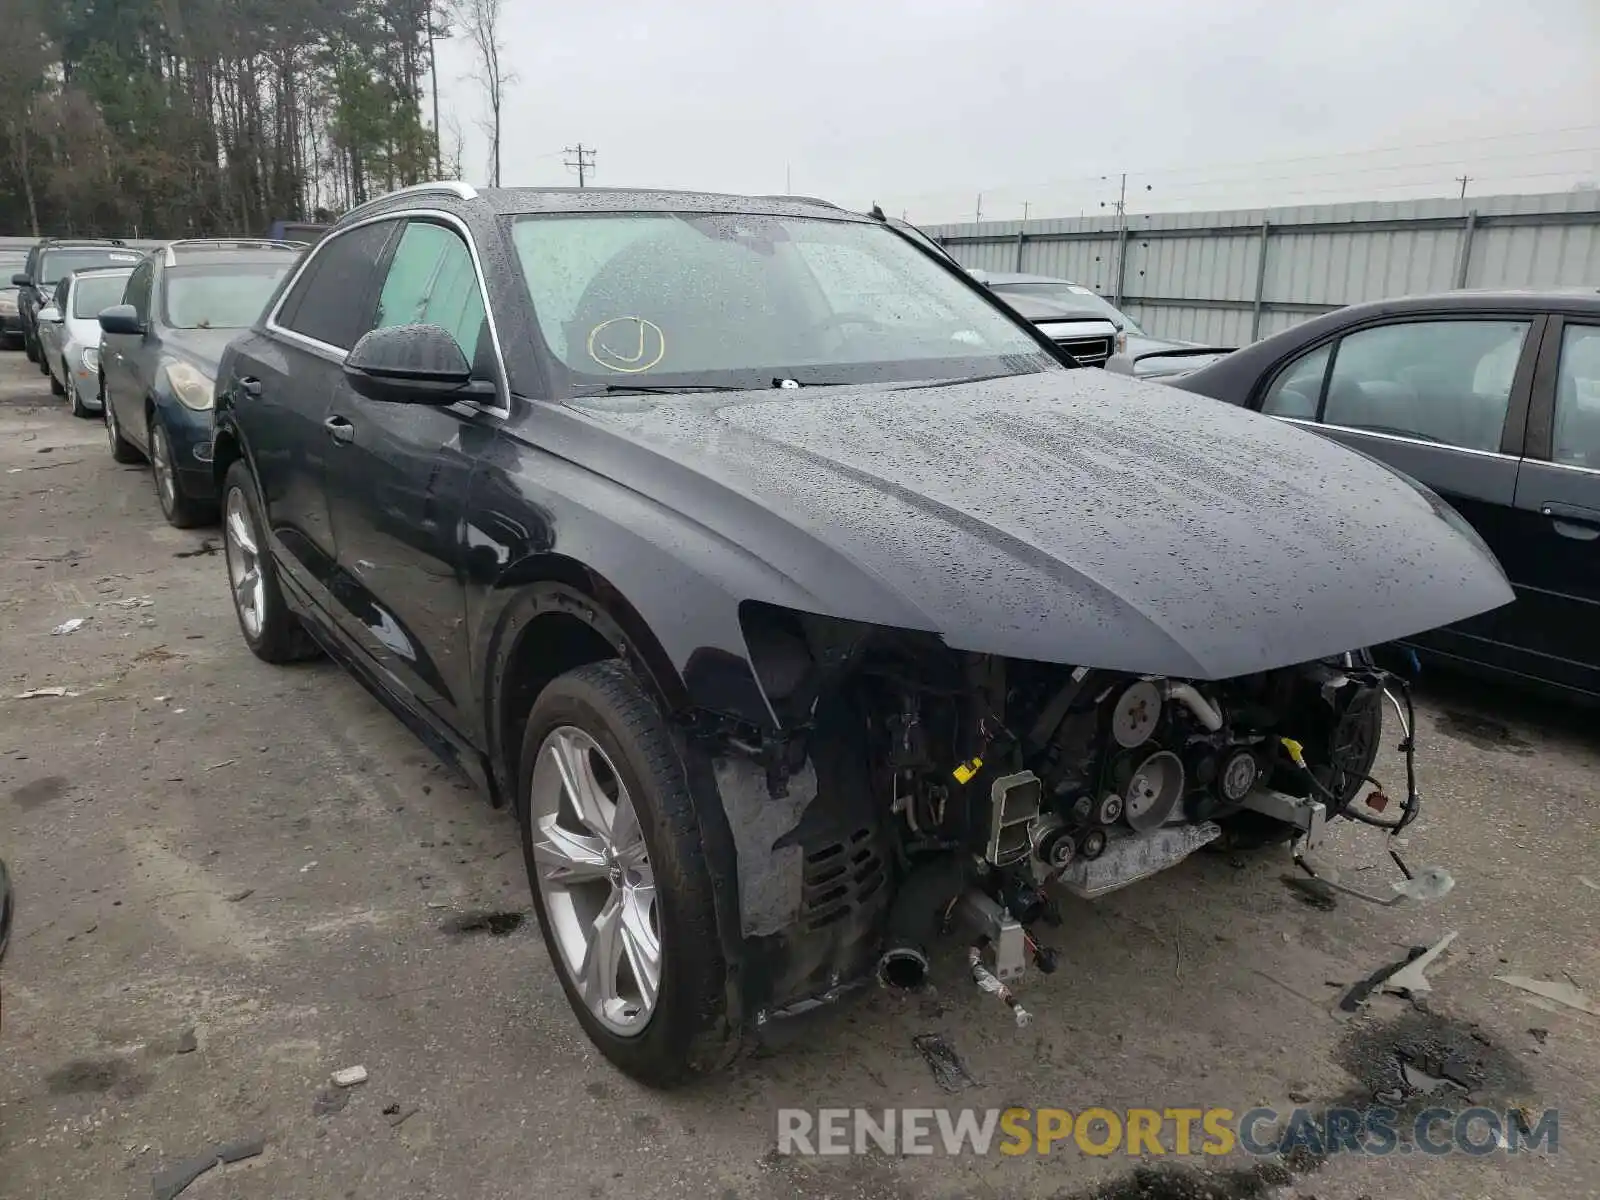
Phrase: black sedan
(1493, 401)
(799, 596)
(159, 352)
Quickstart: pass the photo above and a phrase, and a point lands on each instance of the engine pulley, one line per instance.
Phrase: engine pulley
(1136, 714)
(1153, 790)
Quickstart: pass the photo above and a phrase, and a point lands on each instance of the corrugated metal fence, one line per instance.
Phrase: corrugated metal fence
(1231, 277)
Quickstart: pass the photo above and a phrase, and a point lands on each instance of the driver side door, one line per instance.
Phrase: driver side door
(1443, 398)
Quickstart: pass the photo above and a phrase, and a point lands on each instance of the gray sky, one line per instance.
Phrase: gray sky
(920, 106)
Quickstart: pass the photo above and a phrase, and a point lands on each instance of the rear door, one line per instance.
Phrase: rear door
(284, 383)
(1442, 397)
(397, 485)
(1556, 549)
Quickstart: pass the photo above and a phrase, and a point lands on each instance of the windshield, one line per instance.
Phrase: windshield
(53, 264)
(93, 294)
(665, 300)
(224, 295)
(1072, 295)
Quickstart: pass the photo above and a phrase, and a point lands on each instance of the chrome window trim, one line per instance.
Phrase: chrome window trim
(1395, 437)
(502, 407)
(1561, 466)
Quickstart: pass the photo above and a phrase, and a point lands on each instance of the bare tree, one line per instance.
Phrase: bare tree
(480, 20)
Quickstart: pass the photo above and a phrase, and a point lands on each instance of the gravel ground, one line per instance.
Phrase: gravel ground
(235, 879)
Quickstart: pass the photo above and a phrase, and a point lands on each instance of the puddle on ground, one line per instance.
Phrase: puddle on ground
(1408, 1063)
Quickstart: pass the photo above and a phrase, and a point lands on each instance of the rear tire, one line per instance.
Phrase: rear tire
(30, 349)
(122, 450)
(273, 633)
(56, 387)
(685, 1031)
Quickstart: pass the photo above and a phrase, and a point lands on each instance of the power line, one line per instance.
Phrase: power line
(583, 163)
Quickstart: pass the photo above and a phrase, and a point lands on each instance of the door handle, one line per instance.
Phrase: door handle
(1573, 521)
(250, 385)
(340, 429)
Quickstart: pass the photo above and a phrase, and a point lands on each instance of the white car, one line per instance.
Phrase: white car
(69, 333)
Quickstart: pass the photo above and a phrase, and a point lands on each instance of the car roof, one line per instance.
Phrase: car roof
(1574, 299)
(81, 272)
(81, 243)
(1003, 277)
(532, 200)
(192, 251)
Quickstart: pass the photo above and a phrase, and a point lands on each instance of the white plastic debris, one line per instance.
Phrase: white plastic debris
(308, 866)
(133, 602)
(349, 1077)
(1588, 883)
(1410, 978)
(1561, 992)
(71, 626)
(39, 693)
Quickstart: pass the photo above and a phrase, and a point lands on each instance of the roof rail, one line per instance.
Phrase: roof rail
(799, 199)
(452, 187)
(239, 243)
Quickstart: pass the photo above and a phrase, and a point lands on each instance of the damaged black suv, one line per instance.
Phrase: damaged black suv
(804, 602)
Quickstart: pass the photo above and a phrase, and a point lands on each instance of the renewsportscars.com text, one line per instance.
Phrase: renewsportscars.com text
(1162, 1131)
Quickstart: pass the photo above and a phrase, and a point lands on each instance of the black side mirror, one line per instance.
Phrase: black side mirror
(412, 364)
(20, 280)
(121, 318)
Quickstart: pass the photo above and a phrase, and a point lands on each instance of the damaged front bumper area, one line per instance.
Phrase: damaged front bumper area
(906, 793)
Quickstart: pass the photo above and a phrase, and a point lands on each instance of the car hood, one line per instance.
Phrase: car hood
(1064, 516)
(203, 347)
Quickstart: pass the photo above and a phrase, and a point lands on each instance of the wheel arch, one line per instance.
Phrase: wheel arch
(562, 615)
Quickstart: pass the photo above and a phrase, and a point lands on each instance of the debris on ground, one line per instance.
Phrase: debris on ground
(41, 693)
(1409, 979)
(399, 1117)
(1358, 994)
(349, 1077)
(1539, 1035)
(1561, 992)
(205, 548)
(241, 894)
(72, 626)
(132, 602)
(1588, 883)
(187, 1042)
(495, 924)
(949, 1072)
(174, 1179)
(309, 865)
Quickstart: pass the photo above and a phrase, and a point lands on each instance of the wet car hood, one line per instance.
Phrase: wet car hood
(1064, 517)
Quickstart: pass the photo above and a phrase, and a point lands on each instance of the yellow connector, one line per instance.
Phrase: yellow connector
(1296, 751)
(967, 770)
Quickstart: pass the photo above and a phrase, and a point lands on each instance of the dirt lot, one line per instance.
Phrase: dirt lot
(235, 879)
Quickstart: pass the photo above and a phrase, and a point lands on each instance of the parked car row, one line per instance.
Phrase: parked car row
(800, 596)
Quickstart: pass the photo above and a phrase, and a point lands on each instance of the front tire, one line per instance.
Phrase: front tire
(181, 510)
(75, 400)
(271, 631)
(619, 877)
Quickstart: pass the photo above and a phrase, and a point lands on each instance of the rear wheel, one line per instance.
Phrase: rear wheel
(56, 387)
(619, 877)
(28, 348)
(122, 450)
(270, 630)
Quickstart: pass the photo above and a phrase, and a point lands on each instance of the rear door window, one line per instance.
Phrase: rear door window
(1298, 387)
(1575, 440)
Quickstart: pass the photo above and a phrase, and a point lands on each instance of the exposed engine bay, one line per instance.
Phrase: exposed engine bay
(1008, 782)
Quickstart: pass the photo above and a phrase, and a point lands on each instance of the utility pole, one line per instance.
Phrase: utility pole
(978, 216)
(788, 180)
(1024, 211)
(583, 163)
(433, 72)
(1463, 180)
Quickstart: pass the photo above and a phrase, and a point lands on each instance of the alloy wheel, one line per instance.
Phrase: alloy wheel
(161, 464)
(244, 565)
(595, 880)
